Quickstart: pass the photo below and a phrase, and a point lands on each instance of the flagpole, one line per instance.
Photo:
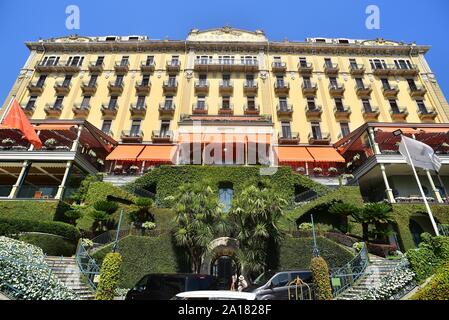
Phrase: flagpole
(429, 211)
(7, 108)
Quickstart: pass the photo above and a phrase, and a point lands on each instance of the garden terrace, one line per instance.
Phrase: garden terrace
(372, 156)
(71, 149)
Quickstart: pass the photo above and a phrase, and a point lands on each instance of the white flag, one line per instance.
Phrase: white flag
(421, 154)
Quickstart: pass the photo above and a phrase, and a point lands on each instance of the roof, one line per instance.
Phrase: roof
(217, 294)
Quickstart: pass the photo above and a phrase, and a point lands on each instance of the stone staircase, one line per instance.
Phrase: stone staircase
(376, 270)
(119, 180)
(67, 271)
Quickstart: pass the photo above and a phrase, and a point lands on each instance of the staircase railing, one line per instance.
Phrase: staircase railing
(110, 236)
(344, 277)
(87, 265)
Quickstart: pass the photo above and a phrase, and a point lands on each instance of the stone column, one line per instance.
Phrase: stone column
(432, 185)
(23, 173)
(373, 141)
(77, 141)
(64, 180)
(388, 190)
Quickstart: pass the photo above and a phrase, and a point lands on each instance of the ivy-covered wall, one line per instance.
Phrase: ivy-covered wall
(40, 210)
(164, 180)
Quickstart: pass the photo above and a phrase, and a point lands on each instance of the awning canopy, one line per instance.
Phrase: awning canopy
(293, 154)
(325, 154)
(53, 127)
(155, 153)
(125, 153)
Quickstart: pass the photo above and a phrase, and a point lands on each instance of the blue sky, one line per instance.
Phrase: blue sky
(425, 22)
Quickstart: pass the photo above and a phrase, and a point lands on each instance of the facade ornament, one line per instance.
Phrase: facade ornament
(133, 74)
(107, 74)
(345, 76)
(263, 75)
(158, 74)
(292, 75)
(188, 74)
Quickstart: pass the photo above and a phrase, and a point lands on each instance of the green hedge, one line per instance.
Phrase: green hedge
(39, 210)
(109, 276)
(437, 288)
(51, 244)
(296, 253)
(143, 255)
(11, 226)
(166, 179)
(320, 272)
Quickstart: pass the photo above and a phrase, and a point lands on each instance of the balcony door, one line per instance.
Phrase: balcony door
(394, 106)
(58, 102)
(124, 62)
(283, 106)
(112, 102)
(316, 130)
(119, 81)
(286, 130)
(140, 102)
(93, 80)
(165, 128)
(99, 61)
(367, 105)
(41, 81)
(135, 128)
(359, 83)
(280, 81)
(339, 104)
(422, 107)
(412, 84)
(385, 84)
(307, 82)
(168, 104)
(85, 102)
(311, 103)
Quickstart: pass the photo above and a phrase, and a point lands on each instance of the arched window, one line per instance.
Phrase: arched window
(225, 194)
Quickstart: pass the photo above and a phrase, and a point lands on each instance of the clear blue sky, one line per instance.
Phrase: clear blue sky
(426, 22)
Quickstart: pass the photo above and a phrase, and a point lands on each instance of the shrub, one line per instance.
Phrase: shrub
(50, 244)
(437, 288)
(33, 210)
(10, 226)
(321, 281)
(305, 226)
(106, 206)
(109, 276)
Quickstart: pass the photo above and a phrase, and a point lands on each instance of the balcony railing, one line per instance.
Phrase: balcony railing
(81, 109)
(309, 88)
(284, 110)
(226, 108)
(222, 65)
(115, 87)
(202, 86)
(278, 66)
(390, 90)
(313, 113)
(62, 88)
(336, 89)
(399, 113)
(52, 109)
(132, 135)
(370, 114)
(170, 87)
(164, 136)
(250, 87)
(36, 88)
(305, 67)
(173, 66)
(253, 109)
(198, 108)
(226, 86)
(394, 70)
(95, 67)
(147, 66)
(89, 88)
(342, 112)
(167, 109)
(59, 67)
(427, 113)
(288, 138)
(109, 110)
(321, 139)
(121, 66)
(417, 91)
(143, 88)
(356, 69)
(281, 87)
(138, 109)
(363, 90)
(331, 68)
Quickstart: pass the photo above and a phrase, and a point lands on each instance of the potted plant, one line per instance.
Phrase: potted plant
(118, 169)
(300, 169)
(318, 171)
(332, 170)
(8, 142)
(50, 143)
(133, 169)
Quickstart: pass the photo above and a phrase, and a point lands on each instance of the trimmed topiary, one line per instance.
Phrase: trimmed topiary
(109, 276)
(437, 288)
(320, 272)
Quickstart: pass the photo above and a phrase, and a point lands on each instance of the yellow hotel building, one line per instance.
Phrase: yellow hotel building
(308, 99)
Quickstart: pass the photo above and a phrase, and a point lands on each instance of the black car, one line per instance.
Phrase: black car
(275, 286)
(165, 286)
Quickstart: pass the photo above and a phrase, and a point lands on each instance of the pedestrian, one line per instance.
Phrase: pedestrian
(234, 282)
(242, 283)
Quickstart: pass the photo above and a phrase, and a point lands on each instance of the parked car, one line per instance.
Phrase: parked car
(165, 286)
(215, 295)
(275, 286)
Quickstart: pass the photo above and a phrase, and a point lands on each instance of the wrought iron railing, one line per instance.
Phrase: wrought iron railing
(87, 265)
(344, 277)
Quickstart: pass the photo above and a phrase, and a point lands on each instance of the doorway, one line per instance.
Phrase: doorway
(223, 268)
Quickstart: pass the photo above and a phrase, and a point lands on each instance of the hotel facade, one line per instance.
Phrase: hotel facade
(325, 107)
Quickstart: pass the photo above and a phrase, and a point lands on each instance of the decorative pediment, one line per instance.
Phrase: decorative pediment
(381, 42)
(227, 34)
(71, 38)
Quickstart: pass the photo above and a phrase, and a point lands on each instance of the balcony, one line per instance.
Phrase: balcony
(95, 67)
(89, 88)
(331, 68)
(147, 66)
(417, 91)
(199, 108)
(167, 110)
(143, 88)
(202, 87)
(173, 66)
(28, 109)
(309, 89)
(109, 110)
(170, 87)
(252, 110)
(321, 139)
(36, 88)
(226, 65)
(394, 70)
(250, 87)
(427, 114)
(390, 91)
(370, 114)
(132, 136)
(81, 110)
(164, 136)
(399, 113)
(289, 138)
(336, 89)
(342, 112)
(284, 110)
(62, 88)
(363, 90)
(226, 109)
(356, 69)
(138, 110)
(115, 88)
(121, 66)
(278, 66)
(226, 87)
(281, 87)
(58, 67)
(305, 68)
(313, 113)
(53, 110)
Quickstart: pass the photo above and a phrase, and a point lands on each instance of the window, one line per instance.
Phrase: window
(149, 61)
(110, 38)
(339, 104)
(50, 61)
(385, 84)
(333, 82)
(412, 84)
(225, 194)
(311, 103)
(286, 129)
(106, 127)
(307, 82)
(251, 102)
(145, 80)
(75, 61)
(249, 80)
(353, 64)
(41, 81)
(201, 102)
(226, 102)
(85, 102)
(119, 81)
(226, 59)
(99, 61)
(367, 105)
(172, 81)
(344, 126)
(359, 83)
(249, 60)
(168, 102)
(281, 280)
(113, 102)
(343, 41)
(31, 102)
(204, 59)
(394, 106)
(421, 106)
(93, 80)
(320, 40)
(328, 63)
(124, 62)
(303, 62)
(58, 102)
(226, 80)
(316, 130)
(174, 60)
(135, 128)
(283, 103)
(378, 64)
(279, 81)
(277, 62)
(133, 38)
(202, 80)
(140, 102)
(67, 80)
(165, 128)
(403, 64)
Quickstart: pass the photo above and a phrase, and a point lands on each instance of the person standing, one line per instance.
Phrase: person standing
(242, 283)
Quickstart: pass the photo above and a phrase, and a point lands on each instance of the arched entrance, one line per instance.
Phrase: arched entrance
(220, 260)
(418, 224)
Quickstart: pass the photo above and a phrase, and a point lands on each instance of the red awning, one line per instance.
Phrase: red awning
(125, 153)
(325, 154)
(293, 154)
(160, 154)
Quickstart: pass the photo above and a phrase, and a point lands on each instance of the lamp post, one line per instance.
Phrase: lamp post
(315, 250)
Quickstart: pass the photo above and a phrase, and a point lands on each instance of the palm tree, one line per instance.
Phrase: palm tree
(143, 213)
(255, 215)
(378, 214)
(343, 210)
(199, 219)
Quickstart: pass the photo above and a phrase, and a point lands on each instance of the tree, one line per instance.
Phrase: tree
(343, 210)
(255, 215)
(143, 213)
(79, 196)
(100, 213)
(320, 271)
(378, 214)
(199, 219)
(109, 276)
(74, 214)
